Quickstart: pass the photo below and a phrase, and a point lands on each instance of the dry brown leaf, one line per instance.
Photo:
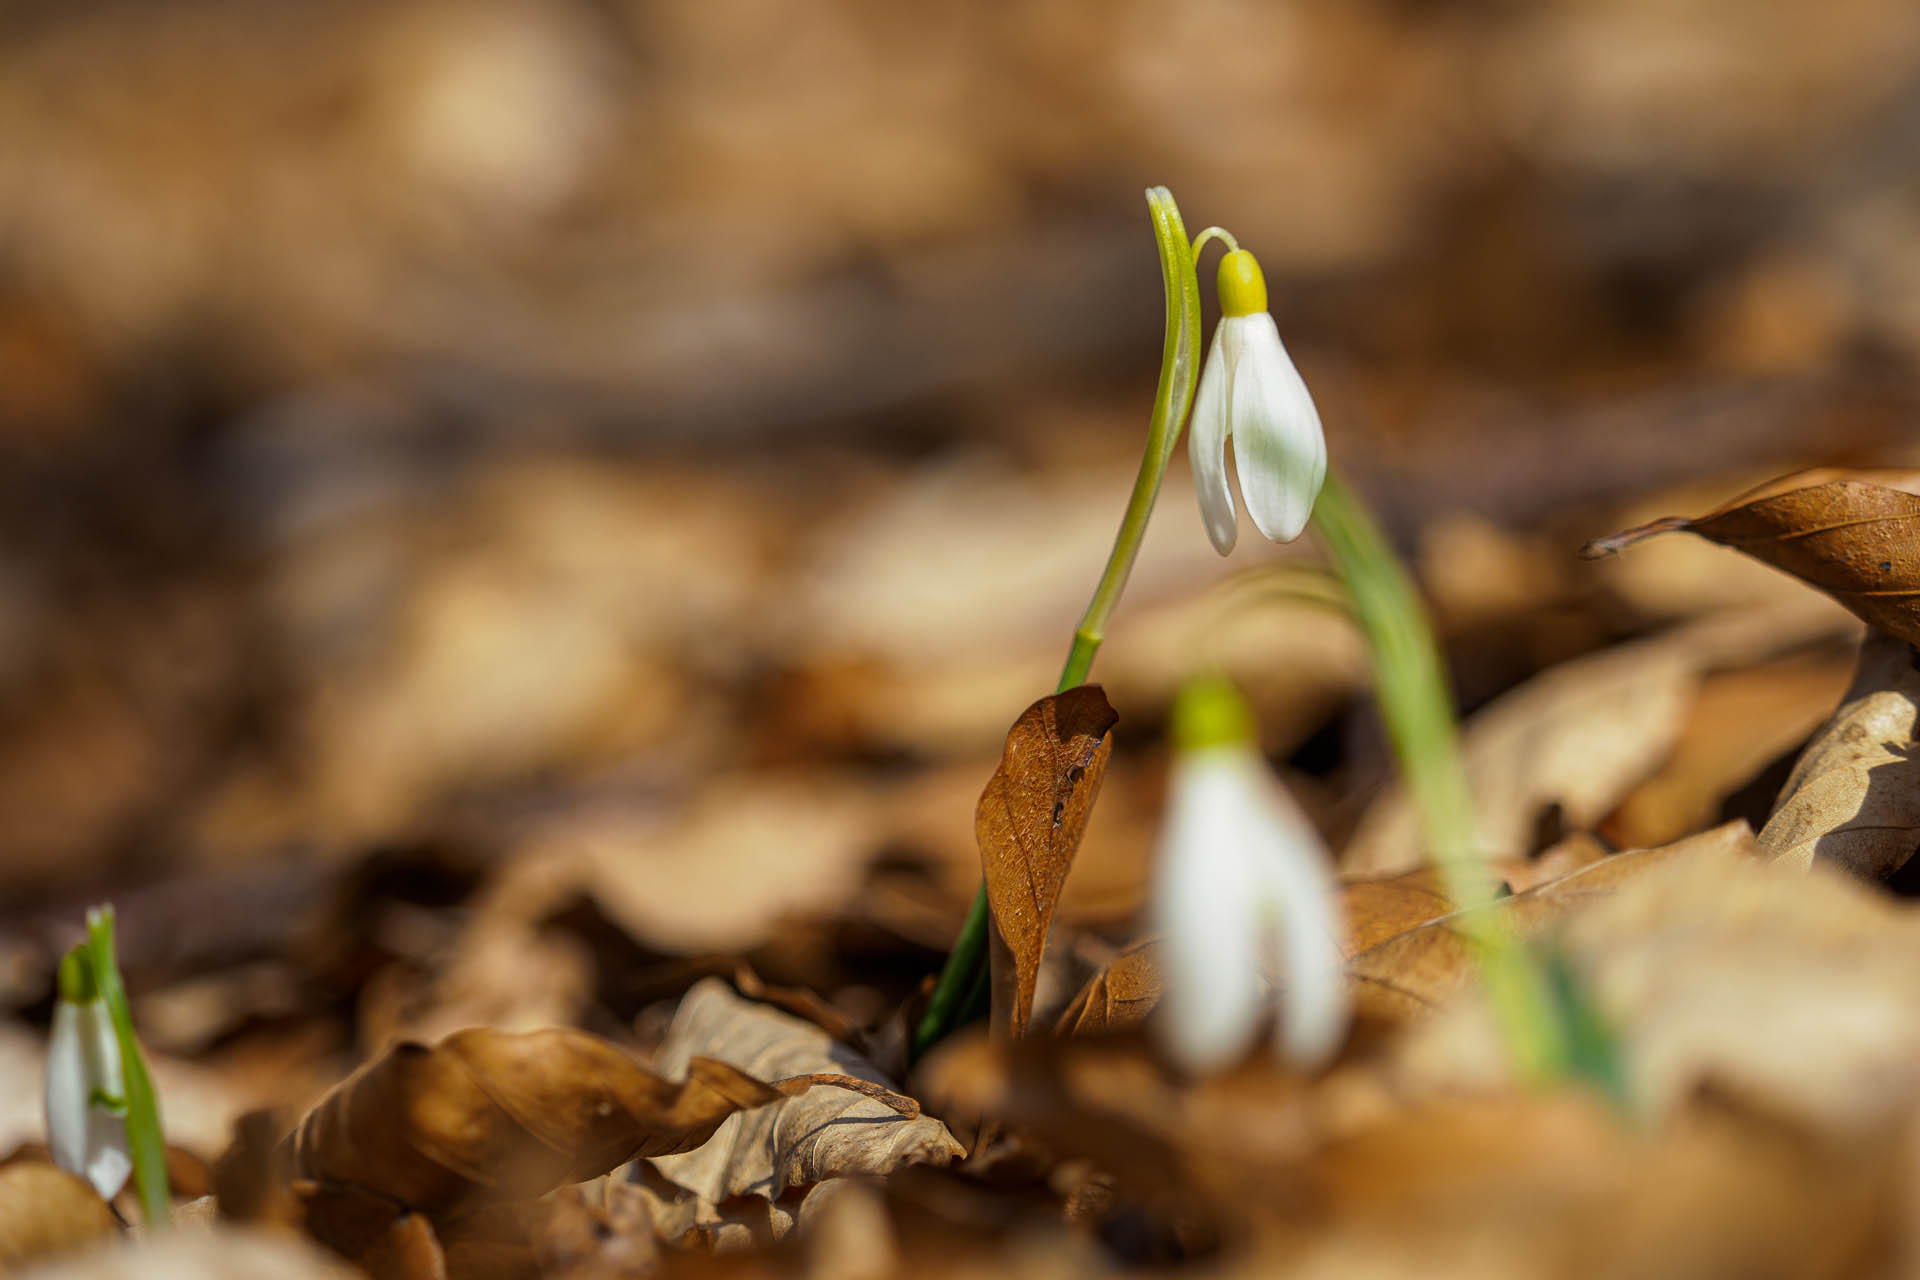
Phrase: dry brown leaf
(1578, 1193)
(487, 1116)
(1854, 534)
(407, 1250)
(598, 1237)
(1107, 1101)
(1579, 736)
(45, 1212)
(798, 1142)
(683, 1220)
(1384, 907)
(1853, 798)
(1119, 996)
(1563, 857)
(1028, 824)
(1409, 974)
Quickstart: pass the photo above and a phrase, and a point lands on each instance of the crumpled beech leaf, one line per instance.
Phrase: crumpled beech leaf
(1029, 824)
(488, 1116)
(1854, 534)
(766, 1153)
(1853, 798)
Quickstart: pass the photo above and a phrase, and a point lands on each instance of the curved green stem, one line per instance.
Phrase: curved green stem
(1418, 710)
(1179, 365)
(145, 1140)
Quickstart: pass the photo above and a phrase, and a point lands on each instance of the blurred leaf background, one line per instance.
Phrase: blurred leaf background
(507, 505)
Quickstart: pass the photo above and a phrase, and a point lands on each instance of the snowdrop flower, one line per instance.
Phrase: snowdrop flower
(1251, 393)
(1242, 883)
(86, 1087)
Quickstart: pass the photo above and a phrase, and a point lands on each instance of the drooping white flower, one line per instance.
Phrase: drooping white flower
(1242, 885)
(86, 1085)
(1251, 394)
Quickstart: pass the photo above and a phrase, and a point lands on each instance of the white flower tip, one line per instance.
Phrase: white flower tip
(1314, 1014)
(1243, 878)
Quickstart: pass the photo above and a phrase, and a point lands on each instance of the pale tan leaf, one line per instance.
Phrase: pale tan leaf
(1741, 721)
(46, 1212)
(222, 1253)
(1853, 798)
(1785, 990)
(798, 1142)
(1580, 736)
(1409, 974)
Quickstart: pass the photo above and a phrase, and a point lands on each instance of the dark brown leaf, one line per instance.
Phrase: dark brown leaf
(1853, 534)
(1029, 823)
(407, 1250)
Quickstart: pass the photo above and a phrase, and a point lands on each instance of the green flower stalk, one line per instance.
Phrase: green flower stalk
(1418, 711)
(1179, 360)
(103, 1118)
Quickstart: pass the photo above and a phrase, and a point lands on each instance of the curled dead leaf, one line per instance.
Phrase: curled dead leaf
(1029, 824)
(489, 1116)
(1854, 534)
(1853, 798)
(799, 1141)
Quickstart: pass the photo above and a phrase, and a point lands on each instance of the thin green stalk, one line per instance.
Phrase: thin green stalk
(1418, 710)
(145, 1140)
(1179, 363)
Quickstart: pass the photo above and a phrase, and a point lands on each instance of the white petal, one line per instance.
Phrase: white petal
(1277, 443)
(109, 1156)
(1305, 929)
(1206, 897)
(67, 1089)
(83, 1057)
(1207, 447)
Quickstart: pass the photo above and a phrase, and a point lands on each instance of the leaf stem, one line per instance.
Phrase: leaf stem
(1179, 363)
(1418, 710)
(145, 1139)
